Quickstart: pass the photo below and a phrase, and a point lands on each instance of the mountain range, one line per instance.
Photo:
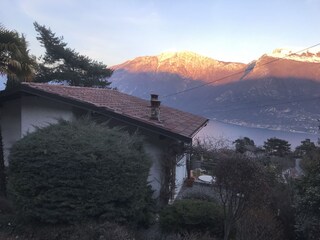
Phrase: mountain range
(280, 90)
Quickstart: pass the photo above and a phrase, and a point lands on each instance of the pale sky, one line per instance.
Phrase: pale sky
(113, 31)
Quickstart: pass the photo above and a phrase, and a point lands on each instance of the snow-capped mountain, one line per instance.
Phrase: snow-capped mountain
(312, 55)
(276, 91)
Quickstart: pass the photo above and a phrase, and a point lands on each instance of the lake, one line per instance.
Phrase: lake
(219, 130)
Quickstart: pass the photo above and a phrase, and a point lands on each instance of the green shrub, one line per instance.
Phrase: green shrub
(192, 215)
(199, 192)
(156, 235)
(5, 206)
(91, 230)
(72, 171)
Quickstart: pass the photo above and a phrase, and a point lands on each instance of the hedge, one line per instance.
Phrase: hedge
(73, 171)
(192, 215)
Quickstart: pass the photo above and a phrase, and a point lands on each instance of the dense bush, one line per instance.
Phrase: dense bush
(5, 206)
(199, 192)
(155, 235)
(307, 197)
(91, 230)
(71, 171)
(192, 215)
(260, 224)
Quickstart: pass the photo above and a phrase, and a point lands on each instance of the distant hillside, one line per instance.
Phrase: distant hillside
(278, 94)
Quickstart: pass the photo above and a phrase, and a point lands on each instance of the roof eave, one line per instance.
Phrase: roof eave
(204, 124)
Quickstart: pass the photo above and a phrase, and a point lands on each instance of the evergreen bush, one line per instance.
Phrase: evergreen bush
(192, 215)
(72, 171)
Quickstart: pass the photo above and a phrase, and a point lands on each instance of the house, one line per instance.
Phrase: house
(166, 130)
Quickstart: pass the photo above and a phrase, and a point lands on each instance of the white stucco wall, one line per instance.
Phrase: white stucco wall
(181, 174)
(40, 112)
(20, 116)
(154, 151)
(10, 125)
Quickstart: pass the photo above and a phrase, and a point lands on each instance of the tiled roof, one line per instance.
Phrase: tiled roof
(113, 101)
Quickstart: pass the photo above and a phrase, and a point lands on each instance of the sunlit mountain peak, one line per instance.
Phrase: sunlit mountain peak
(308, 55)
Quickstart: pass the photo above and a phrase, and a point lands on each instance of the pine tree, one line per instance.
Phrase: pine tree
(63, 64)
(243, 144)
(277, 147)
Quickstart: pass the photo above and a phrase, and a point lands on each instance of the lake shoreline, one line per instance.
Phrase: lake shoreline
(230, 131)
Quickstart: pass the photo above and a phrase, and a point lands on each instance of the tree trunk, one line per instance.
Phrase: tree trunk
(12, 83)
(227, 228)
(3, 190)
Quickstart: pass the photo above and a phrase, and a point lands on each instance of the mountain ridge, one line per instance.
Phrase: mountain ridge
(199, 67)
(229, 86)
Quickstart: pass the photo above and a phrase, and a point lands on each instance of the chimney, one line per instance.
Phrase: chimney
(155, 107)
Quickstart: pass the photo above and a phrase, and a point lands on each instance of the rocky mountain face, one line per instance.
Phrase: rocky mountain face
(187, 65)
(276, 91)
